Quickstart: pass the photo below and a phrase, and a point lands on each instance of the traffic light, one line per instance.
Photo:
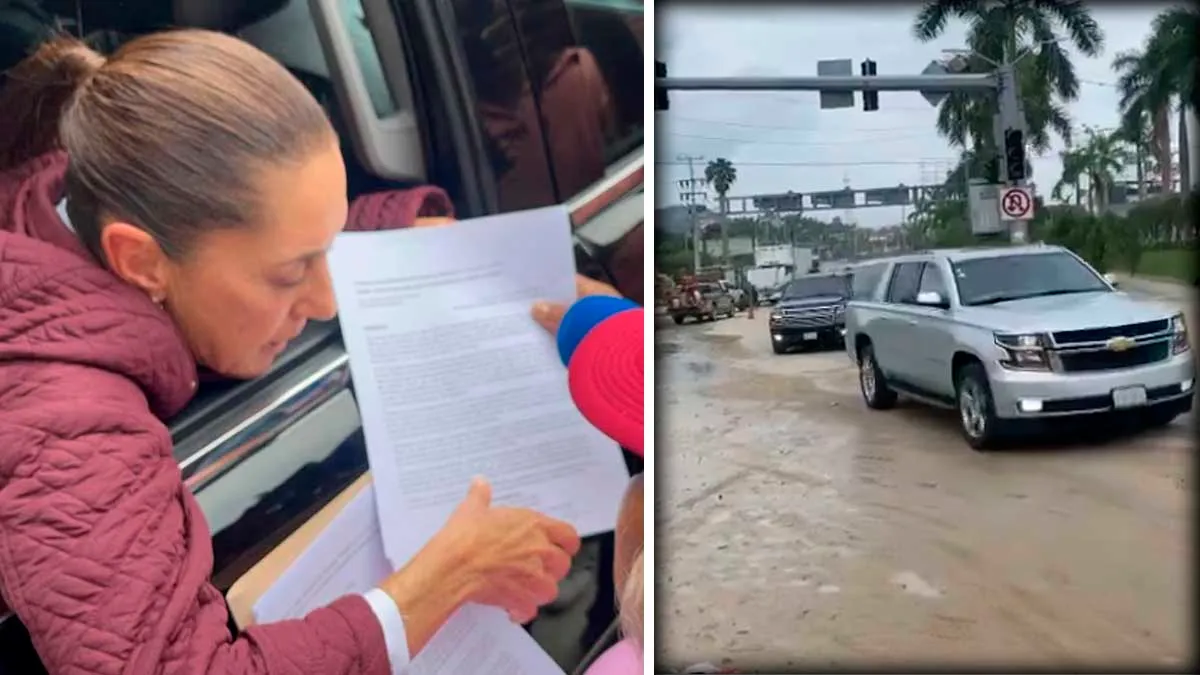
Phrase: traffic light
(660, 94)
(1014, 154)
(870, 98)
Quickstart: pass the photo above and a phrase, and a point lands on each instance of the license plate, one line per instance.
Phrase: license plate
(1129, 397)
(810, 336)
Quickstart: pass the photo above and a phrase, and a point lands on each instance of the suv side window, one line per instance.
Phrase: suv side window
(505, 104)
(865, 280)
(905, 280)
(585, 64)
(932, 280)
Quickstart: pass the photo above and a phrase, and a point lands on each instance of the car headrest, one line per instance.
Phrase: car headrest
(228, 16)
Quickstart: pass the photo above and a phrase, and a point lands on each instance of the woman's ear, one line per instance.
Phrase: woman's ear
(629, 535)
(134, 255)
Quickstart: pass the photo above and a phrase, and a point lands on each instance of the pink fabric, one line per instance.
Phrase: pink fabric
(623, 658)
(104, 555)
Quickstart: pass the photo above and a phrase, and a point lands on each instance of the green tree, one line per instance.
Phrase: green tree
(721, 175)
(1099, 160)
(1000, 32)
(1162, 72)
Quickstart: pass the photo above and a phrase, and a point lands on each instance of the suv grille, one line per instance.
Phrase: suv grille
(1104, 359)
(809, 317)
(1069, 337)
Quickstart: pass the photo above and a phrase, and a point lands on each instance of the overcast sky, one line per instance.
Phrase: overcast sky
(782, 141)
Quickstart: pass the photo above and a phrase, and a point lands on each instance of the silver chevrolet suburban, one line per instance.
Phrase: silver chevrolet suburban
(1008, 335)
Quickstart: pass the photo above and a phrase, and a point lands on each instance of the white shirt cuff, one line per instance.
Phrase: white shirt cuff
(392, 623)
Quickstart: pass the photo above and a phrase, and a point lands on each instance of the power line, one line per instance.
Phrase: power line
(881, 162)
(800, 143)
(748, 125)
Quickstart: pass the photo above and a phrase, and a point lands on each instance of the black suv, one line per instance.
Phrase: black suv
(507, 105)
(810, 312)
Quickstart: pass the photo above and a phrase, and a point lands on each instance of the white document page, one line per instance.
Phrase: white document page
(347, 557)
(454, 379)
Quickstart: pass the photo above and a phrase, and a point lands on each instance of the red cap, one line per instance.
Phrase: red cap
(606, 377)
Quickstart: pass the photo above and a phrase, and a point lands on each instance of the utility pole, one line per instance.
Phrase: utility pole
(690, 189)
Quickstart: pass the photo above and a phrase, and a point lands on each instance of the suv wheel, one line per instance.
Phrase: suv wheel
(871, 382)
(976, 410)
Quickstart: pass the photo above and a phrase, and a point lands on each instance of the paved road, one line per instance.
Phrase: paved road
(797, 528)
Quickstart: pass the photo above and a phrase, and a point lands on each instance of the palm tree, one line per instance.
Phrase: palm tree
(1098, 160)
(1145, 104)
(721, 174)
(1074, 166)
(1162, 72)
(1000, 32)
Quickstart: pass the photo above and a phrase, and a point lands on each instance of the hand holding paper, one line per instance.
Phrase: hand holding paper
(512, 558)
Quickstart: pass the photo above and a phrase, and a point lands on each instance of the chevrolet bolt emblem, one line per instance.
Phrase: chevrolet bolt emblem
(1119, 344)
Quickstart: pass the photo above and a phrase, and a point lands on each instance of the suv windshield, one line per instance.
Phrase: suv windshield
(811, 287)
(984, 281)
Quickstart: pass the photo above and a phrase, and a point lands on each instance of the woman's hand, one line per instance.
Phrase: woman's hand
(550, 314)
(506, 557)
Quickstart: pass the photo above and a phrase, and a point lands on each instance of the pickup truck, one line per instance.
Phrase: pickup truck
(413, 89)
(1013, 338)
(702, 301)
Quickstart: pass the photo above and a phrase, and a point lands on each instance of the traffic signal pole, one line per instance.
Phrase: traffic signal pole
(973, 82)
(1001, 82)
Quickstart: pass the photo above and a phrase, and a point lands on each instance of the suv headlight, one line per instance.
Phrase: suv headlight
(1179, 335)
(1024, 351)
(776, 316)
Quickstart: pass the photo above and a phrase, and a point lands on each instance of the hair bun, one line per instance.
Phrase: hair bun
(35, 93)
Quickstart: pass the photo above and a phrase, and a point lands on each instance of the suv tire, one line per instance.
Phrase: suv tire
(872, 383)
(976, 409)
(778, 346)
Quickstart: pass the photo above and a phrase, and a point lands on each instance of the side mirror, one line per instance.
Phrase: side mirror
(1112, 281)
(932, 299)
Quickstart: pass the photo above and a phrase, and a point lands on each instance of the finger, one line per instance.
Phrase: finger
(585, 286)
(556, 562)
(541, 589)
(479, 496)
(523, 615)
(549, 315)
(561, 535)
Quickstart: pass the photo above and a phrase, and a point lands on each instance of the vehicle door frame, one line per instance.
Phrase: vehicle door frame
(931, 338)
(892, 353)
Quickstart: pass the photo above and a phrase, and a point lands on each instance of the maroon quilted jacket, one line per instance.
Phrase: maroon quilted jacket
(104, 555)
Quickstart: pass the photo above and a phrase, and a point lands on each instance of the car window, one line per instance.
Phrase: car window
(814, 287)
(584, 60)
(1012, 277)
(905, 278)
(505, 104)
(865, 280)
(932, 280)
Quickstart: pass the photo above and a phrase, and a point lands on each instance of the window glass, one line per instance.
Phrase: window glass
(905, 278)
(865, 280)
(585, 62)
(1013, 277)
(368, 57)
(815, 287)
(932, 280)
(505, 104)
